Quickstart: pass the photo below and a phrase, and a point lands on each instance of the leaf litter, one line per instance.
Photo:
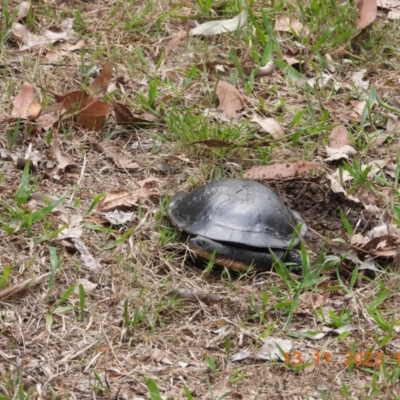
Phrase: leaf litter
(144, 266)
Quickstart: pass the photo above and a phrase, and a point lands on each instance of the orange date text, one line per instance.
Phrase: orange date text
(358, 358)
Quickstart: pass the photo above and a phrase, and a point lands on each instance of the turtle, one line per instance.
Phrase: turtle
(238, 222)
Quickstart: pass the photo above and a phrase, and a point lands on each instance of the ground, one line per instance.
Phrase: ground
(104, 305)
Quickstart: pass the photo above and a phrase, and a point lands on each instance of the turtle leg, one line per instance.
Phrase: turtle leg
(295, 258)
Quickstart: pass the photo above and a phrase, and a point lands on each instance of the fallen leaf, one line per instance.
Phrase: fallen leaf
(123, 198)
(174, 42)
(270, 125)
(388, 4)
(338, 188)
(26, 284)
(267, 69)
(221, 389)
(195, 296)
(93, 114)
(87, 285)
(230, 100)
(23, 9)
(270, 350)
(102, 80)
(31, 41)
(62, 158)
(287, 24)
(284, 170)
(338, 154)
(25, 105)
(73, 99)
(339, 137)
(218, 27)
(118, 217)
(357, 79)
(367, 12)
(74, 228)
(49, 117)
(242, 355)
(121, 160)
(87, 258)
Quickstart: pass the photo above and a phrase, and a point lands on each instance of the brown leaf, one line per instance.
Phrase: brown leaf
(23, 101)
(34, 110)
(287, 24)
(285, 170)
(123, 198)
(123, 115)
(120, 159)
(214, 143)
(49, 117)
(73, 99)
(28, 283)
(230, 100)
(102, 80)
(270, 125)
(93, 114)
(61, 157)
(23, 9)
(339, 137)
(174, 42)
(367, 12)
(89, 261)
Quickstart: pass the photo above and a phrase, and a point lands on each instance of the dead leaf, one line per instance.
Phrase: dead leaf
(218, 27)
(27, 284)
(62, 158)
(270, 125)
(121, 160)
(174, 42)
(31, 41)
(338, 154)
(74, 228)
(270, 350)
(102, 80)
(73, 99)
(357, 78)
(367, 12)
(118, 217)
(87, 285)
(67, 46)
(286, 24)
(222, 389)
(123, 198)
(49, 117)
(93, 114)
(195, 296)
(123, 115)
(267, 69)
(278, 171)
(230, 100)
(87, 258)
(25, 105)
(339, 137)
(23, 9)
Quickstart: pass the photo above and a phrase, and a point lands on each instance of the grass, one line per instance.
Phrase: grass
(127, 334)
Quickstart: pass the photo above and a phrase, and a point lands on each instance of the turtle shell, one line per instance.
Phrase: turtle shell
(236, 211)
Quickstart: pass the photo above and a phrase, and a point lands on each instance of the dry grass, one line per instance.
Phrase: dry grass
(131, 326)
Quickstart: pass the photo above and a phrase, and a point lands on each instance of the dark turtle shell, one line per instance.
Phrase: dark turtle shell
(237, 211)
